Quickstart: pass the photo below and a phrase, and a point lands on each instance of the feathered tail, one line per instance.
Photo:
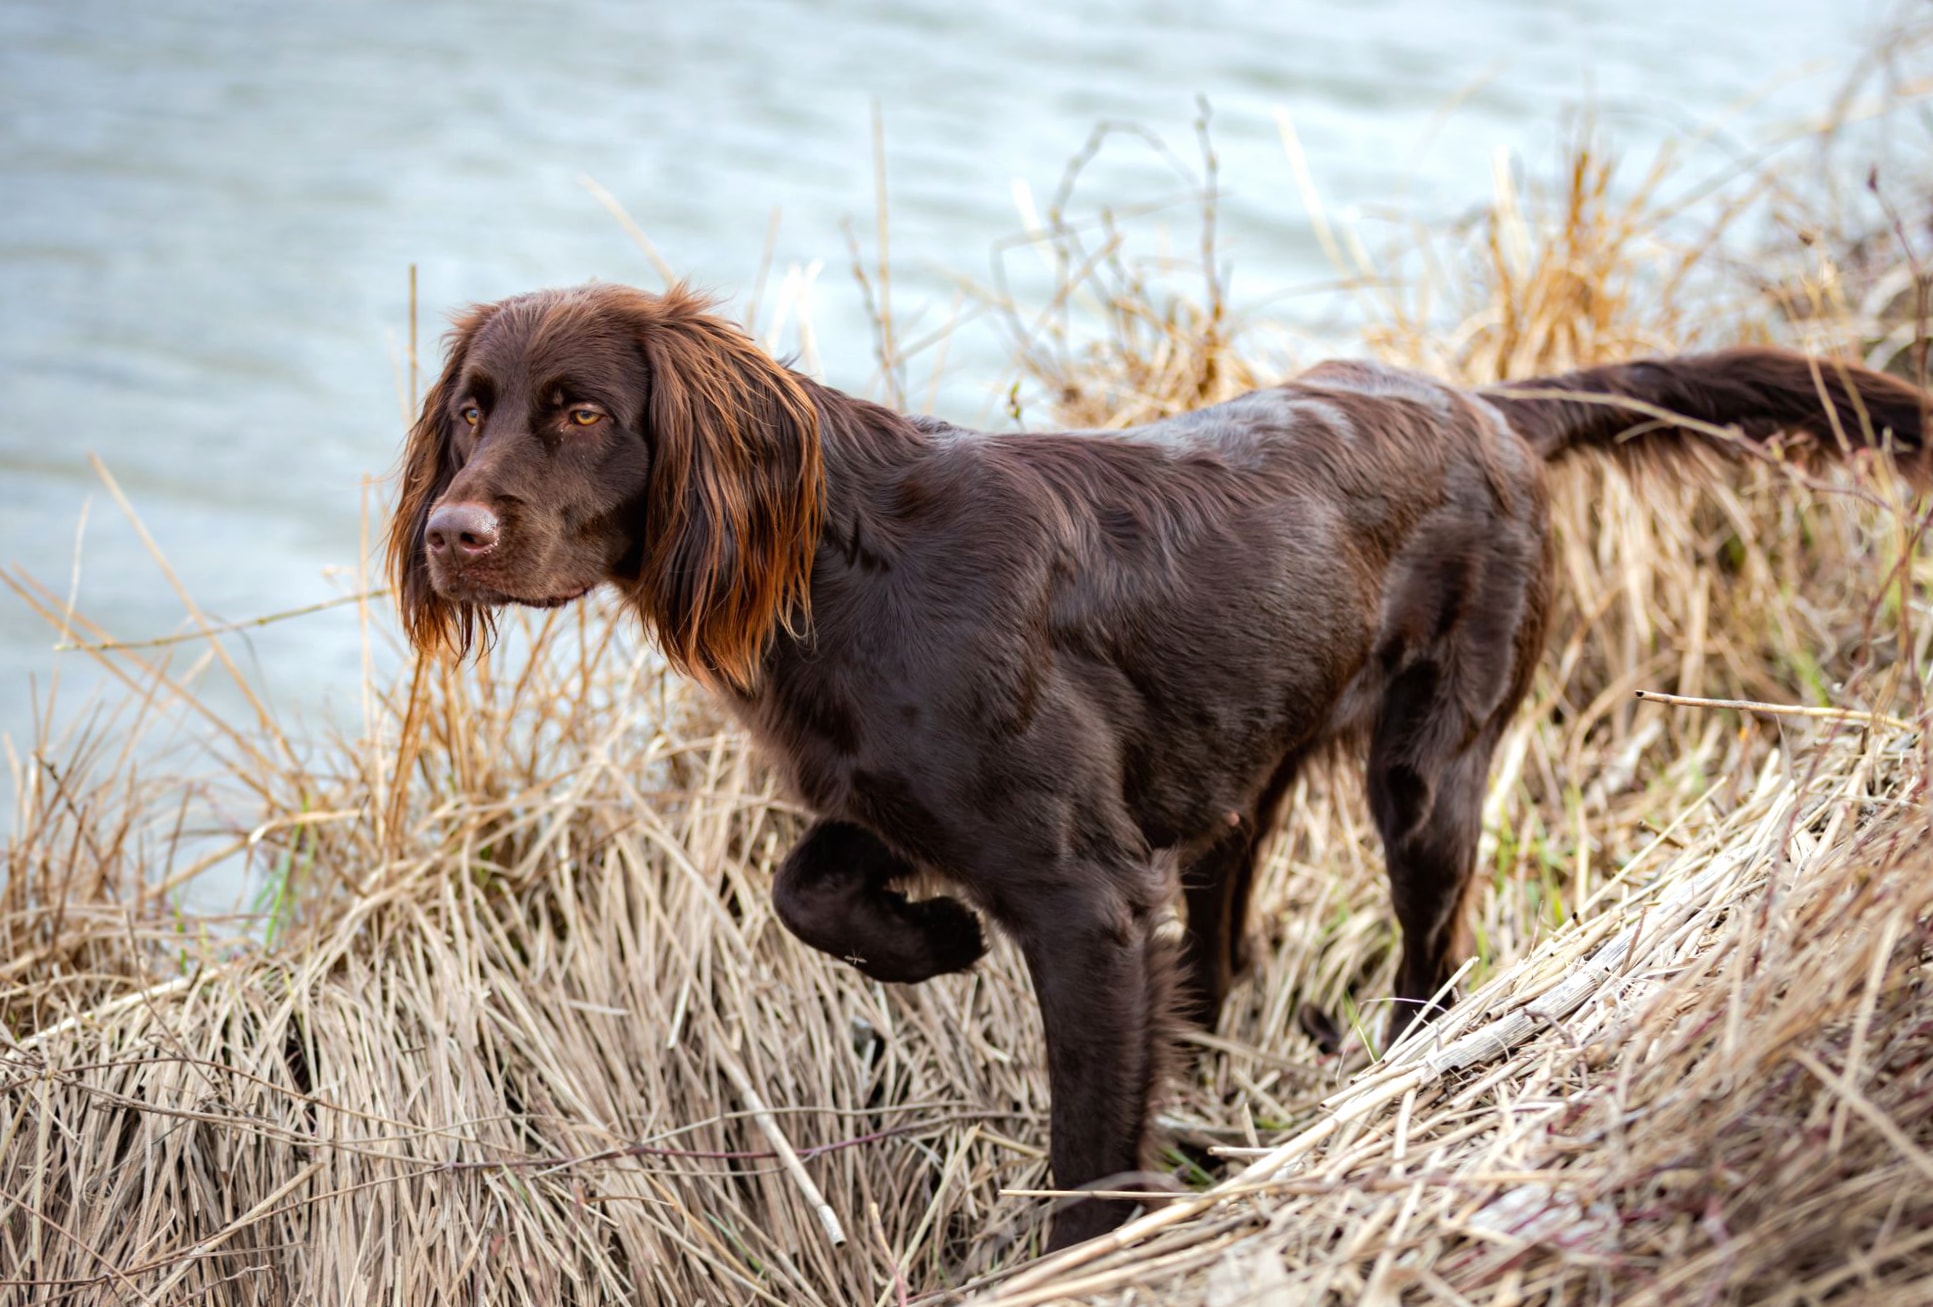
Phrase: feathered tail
(1832, 407)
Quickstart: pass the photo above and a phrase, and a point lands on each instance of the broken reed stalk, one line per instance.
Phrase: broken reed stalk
(1779, 709)
(769, 1126)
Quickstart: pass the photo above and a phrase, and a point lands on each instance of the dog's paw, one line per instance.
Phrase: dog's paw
(955, 940)
(927, 938)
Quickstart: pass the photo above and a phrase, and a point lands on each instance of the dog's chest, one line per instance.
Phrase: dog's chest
(814, 727)
(875, 750)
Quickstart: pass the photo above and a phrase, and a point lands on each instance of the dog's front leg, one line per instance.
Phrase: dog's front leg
(831, 892)
(1103, 976)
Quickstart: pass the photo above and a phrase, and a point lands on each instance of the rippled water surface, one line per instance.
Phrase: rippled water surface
(208, 210)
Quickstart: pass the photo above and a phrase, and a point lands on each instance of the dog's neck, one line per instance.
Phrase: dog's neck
(867, 451)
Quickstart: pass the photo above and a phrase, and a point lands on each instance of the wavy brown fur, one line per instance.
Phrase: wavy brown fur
(736, 490)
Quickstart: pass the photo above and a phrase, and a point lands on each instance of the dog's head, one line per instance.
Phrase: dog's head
(602, 434)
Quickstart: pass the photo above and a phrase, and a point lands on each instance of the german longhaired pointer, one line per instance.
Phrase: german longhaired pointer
(1072, 674)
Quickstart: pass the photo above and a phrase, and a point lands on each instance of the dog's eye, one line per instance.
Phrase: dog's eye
(471, 414)
(585, 417)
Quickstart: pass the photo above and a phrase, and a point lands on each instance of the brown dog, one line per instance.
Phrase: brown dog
(1060, 669)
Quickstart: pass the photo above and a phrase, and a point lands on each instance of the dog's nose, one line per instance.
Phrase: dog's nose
(461, 530)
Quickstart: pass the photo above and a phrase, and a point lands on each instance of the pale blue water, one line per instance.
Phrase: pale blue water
(208, 210)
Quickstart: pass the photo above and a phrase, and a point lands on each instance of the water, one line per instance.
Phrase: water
(208, 210)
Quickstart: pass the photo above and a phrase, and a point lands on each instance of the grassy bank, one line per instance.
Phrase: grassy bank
(516, 1024)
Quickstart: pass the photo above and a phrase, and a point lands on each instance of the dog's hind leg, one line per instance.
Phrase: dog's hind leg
(832, 892)
(1464, 630)
(1215, 886)
(1427, 775)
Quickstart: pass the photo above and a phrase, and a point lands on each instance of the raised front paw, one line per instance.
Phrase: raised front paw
(954, 937)
(930, 937)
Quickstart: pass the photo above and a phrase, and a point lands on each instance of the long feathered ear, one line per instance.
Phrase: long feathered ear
(733, 499)
(429, 465)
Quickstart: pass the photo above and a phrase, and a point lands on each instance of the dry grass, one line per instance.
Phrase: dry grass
(516, 1023)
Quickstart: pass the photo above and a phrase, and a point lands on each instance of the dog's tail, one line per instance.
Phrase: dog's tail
(1830, 407)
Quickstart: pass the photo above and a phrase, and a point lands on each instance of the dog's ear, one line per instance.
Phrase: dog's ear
(734, 492)
(429, 465)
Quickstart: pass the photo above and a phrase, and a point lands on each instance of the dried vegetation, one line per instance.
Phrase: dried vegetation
(514, 1023)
